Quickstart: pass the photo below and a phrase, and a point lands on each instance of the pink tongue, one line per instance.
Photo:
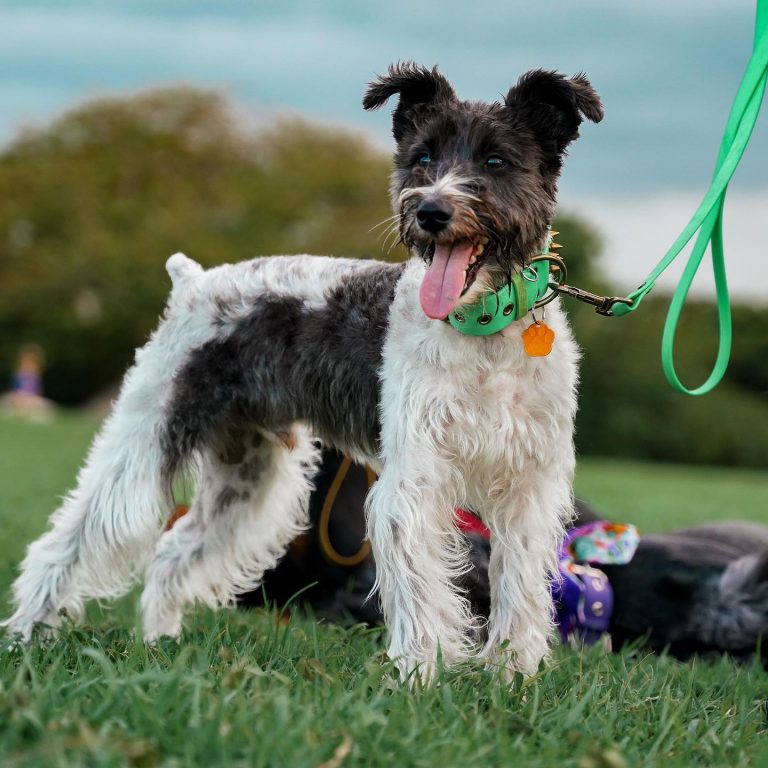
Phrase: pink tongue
(442, 285)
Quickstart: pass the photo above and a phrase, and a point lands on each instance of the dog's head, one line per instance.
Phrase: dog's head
(474, 183)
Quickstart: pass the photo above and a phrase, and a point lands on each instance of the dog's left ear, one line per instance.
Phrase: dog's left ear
(554, 106)
(418, 87)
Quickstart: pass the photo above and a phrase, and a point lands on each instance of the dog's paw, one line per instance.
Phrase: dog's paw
(13, 646)
(414, 671)
(21, 629)
(17, 636)
(502, 658)
(157, 631)
(155, 638)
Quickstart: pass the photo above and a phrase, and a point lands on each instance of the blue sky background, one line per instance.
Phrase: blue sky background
(667, 71)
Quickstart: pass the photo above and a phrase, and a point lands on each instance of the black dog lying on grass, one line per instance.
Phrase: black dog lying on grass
(699, 590)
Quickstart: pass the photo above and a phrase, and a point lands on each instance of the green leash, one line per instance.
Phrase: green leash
(708, 221)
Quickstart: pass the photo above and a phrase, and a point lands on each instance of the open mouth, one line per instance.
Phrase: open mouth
(451, 271)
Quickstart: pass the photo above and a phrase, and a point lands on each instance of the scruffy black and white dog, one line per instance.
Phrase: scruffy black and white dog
(254, 360)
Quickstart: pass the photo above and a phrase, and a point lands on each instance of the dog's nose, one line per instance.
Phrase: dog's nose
(434, 215)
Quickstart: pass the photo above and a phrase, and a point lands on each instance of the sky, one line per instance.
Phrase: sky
(667, 71)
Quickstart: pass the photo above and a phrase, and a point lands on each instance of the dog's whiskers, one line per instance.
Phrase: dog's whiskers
(392, 225)
(393, 234)
(397, 241)
(395, 217)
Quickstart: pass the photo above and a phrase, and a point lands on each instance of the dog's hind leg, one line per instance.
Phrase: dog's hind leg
(106, 527)
(252, 500)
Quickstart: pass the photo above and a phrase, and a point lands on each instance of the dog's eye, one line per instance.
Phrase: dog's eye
(494, 162)
(424, 159)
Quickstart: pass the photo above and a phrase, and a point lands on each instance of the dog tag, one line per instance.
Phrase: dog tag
(538, 339)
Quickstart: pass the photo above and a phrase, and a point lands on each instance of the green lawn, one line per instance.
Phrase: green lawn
(662, 497)
(246, 689)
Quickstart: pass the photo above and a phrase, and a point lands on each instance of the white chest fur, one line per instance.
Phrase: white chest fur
(479, 403)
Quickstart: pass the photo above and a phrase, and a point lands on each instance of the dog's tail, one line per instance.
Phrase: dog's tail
(182, 271)
(105, 529)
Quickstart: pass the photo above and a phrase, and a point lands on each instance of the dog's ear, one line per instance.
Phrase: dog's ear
(757, 574)
(746, 574)
(761, 568)
(419, 88)
(554, 106)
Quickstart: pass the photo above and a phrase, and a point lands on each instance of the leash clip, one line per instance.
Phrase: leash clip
(603, 304)
(558, 274)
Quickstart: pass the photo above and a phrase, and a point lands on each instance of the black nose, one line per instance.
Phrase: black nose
(434, 215)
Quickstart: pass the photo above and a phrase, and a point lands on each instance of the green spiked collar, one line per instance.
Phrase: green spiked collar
(500, 308)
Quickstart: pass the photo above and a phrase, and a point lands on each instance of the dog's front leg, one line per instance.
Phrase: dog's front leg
(526, 530)
(418, 555)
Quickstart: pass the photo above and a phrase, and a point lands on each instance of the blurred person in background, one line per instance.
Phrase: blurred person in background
(26, 399)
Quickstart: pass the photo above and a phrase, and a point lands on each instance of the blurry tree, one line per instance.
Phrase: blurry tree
(581, 246)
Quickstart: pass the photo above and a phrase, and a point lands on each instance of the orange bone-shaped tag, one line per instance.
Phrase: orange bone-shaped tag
(538, 339)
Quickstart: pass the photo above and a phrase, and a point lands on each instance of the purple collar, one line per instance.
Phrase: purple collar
(583, 595)
(584, 603)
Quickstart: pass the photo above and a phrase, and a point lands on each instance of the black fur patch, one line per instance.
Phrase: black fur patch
(226, 498)
(251, 470)
(554, 106)
(234, 448)
(420, 90)
(285, 363)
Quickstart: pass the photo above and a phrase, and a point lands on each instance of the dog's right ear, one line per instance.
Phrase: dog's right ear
(419, 88)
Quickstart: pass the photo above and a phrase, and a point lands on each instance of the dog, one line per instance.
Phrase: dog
(697, 591)
(253, 361)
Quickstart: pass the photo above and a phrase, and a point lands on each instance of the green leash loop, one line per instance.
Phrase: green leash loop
(708, 220)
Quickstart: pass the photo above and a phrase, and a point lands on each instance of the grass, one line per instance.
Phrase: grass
(662, 497)
(257, 690)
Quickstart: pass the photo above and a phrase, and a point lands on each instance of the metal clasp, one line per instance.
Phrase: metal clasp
(603, 304)
(558, 274)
